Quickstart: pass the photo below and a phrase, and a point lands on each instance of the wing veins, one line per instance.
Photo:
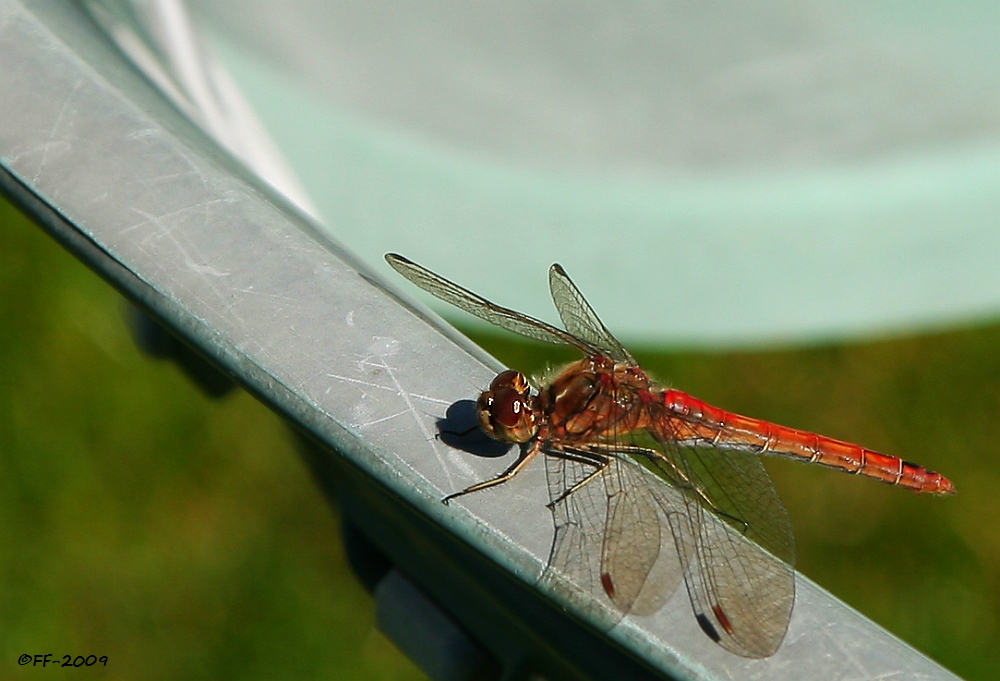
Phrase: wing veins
(476, 305)
(579, 317)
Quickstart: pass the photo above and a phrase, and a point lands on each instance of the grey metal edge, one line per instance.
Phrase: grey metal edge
(139, 194)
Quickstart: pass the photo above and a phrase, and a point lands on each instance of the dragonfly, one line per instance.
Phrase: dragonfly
(650, 486)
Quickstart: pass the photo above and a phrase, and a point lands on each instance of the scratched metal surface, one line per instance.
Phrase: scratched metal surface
(301, 321)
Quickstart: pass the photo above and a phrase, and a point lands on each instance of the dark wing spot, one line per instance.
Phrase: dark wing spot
(707, 627)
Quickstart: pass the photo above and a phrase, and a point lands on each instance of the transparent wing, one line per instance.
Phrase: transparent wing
(503, 317)
(574, 568)
(736, 544)
(662, 510)
(613, 551)
(579, 317)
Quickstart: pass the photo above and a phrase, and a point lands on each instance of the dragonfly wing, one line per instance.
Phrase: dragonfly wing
(736, 546)
(639, 559)
(613, 549)
(579, 317)
(465, 299)
(574, 568)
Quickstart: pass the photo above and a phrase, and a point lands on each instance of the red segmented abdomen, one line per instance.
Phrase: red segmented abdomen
(701, 422)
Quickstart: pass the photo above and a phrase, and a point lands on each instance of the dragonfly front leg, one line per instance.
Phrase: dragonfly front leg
(584, 456)
(527, 454)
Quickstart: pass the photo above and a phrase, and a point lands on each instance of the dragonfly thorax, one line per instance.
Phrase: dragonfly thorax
(505, 410)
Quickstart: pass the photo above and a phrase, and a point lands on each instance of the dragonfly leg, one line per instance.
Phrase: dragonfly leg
(682, 481)
(599, 461)
(523, 460)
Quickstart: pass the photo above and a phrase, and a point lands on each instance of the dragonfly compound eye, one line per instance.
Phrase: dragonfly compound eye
(506, 415)
(508, 407)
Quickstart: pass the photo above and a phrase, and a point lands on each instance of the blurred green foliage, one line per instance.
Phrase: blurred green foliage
(180, 536)
(183, 538)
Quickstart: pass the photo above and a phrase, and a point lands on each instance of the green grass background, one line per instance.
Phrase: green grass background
(183, 538)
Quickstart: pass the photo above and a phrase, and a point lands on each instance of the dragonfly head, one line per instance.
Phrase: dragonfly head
(505, 410)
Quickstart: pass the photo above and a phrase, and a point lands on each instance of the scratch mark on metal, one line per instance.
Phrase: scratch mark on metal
(380, 349)
(392, 389)
(56, 125)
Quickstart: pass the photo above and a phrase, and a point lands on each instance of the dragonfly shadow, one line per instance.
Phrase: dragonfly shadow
(460, 429)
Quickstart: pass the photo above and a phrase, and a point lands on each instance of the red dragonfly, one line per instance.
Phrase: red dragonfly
(650, 485)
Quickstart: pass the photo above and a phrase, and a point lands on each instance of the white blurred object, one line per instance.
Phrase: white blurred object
(709, 173)
(159, 39)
